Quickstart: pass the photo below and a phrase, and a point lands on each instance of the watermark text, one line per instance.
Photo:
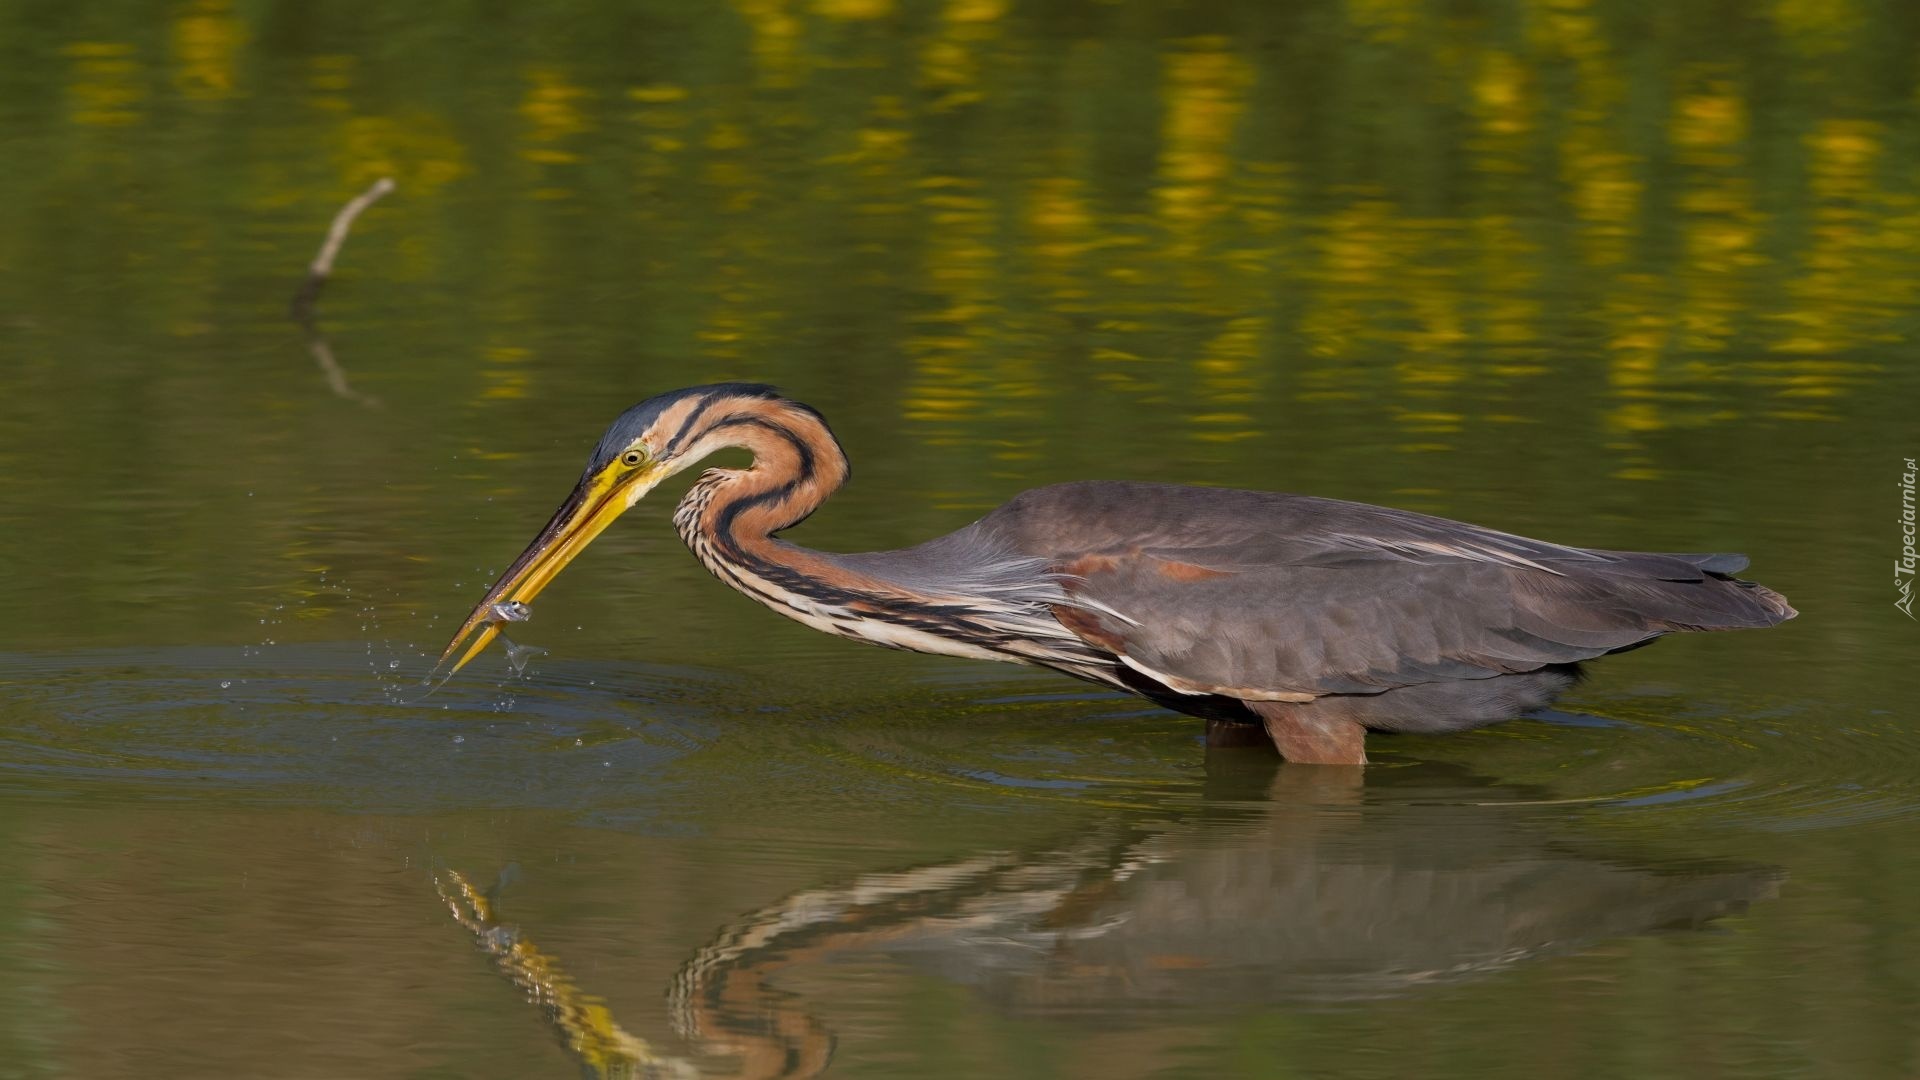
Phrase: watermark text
(1903, 567)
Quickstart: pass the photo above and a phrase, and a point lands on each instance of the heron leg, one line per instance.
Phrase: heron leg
(1229, 735)
(1307, 735)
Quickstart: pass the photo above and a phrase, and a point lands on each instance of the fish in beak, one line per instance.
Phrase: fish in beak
(602, 495)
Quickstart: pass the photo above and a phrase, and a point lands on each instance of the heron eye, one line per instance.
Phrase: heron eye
(632, 459)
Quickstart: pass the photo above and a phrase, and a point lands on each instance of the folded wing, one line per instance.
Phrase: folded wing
(1261, 595)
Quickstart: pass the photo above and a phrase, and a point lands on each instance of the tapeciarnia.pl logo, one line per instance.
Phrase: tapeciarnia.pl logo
(1903, 566)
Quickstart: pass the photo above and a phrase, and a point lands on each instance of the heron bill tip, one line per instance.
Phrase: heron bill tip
(595, 502)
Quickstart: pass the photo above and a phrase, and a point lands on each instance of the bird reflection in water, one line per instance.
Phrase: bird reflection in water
(1290, 885)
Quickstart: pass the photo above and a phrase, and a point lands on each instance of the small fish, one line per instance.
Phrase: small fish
(507, 611)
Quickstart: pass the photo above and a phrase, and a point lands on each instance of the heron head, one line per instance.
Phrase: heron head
(643, 446)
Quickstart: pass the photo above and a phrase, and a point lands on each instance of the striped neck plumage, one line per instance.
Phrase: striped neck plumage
(797, 464)
(995, 607)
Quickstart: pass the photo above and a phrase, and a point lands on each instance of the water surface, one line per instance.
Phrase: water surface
(1593, 271)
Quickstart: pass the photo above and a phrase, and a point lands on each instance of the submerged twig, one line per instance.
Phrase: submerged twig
(318, 271)
(321, 268)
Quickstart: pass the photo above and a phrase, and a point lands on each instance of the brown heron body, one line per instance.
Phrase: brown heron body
(1317, 619)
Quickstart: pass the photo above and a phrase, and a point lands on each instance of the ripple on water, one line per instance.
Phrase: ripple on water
(1645, 760)
(324, 724)
(1649, 759)
(309, 724)
(1013, 741)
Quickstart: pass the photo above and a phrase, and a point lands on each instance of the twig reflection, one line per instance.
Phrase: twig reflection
(307, 296)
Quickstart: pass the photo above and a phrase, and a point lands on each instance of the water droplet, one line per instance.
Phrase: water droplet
(518, 655)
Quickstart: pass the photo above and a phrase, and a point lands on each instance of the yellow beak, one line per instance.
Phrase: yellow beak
(593, 505)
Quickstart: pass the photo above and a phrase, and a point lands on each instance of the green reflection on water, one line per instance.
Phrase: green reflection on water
(1610, 273)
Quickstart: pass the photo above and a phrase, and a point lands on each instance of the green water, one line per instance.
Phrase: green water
(1608, 273)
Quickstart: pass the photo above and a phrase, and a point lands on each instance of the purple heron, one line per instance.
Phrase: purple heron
(1316, 619)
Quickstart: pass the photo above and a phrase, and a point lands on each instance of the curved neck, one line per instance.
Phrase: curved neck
(978, 602)
(733, 514)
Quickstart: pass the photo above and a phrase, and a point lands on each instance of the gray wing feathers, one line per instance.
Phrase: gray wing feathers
(1249, 592)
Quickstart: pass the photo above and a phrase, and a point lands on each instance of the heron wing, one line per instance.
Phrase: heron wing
(1266, 595)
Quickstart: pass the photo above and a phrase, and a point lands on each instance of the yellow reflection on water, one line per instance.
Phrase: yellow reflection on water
(1204, 87)
(776, 31)
(505, 376)
(1116, 209)
(1386, 21)
(206, 44)
(950, 60)
(1817, 27)
(419, 150)
(329, 78)
(106, 87)
(552, 109)
(854, 9)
